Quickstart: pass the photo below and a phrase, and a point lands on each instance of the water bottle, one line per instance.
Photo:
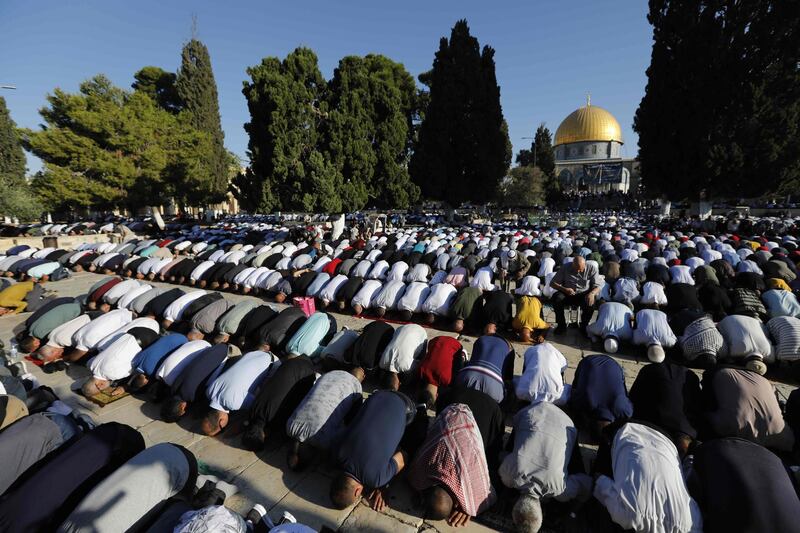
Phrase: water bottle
(13, 352)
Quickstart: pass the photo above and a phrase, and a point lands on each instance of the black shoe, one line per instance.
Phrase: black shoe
(561, 328)
(208, 495)
(253, 439)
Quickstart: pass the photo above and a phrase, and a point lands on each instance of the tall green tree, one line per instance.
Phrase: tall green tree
(541, 152)
(372, 104)
(105, 147)
(463, 149)
(525, 186)
(16, 199)
(197, 89)
(287, 106)
(721, 110)
(159, 85)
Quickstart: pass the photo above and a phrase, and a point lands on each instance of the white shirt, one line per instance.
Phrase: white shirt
(648, 492)
(235, 256)
(652, 328)
(200, 269)
(361, 269)
(235, 388)
(243, 275)
(366, 293)
(127, 299)
(148, 264)
(119, 290)
(420, 272)
(483, 279)
(252, 278)
(440, 299)
(159, 266)
(397, 271)
(217, 255)
(61, 337)
(407, 345)
(44, 252)
(176, 361)
(142, 322)
(541, 379)
(283, 264)
(378, 270)
(328, 292)
(101, 260)
(91, 334)
(114, 362)
(744, 336)
(653, 293)
(681, 274)
(415, 295)
(175, 310)
(268, 280)
(321, 262)
(389, 295)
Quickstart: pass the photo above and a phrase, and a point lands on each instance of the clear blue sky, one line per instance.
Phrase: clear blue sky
(549, 53)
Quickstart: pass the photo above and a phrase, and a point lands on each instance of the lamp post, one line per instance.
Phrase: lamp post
(12, 87)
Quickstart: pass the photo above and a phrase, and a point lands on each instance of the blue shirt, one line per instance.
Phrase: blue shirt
(236, 387)
(598, 390)
(148, 360)
(490, 356)
(372, 439)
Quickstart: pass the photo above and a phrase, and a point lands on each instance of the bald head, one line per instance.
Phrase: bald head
(438, 503)
(345, 491)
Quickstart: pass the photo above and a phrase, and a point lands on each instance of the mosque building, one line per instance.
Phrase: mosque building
(588, 153)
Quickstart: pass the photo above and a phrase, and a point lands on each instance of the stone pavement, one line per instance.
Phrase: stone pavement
(264, 478)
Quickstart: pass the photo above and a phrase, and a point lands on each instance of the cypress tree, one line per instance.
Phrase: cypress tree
(545, 157)
(197, 90)
(721, 110)
(12, 158)
(159, 85)
(540, 153)
(287, 105)
(463, 150)
(372, 102)
(15, 196)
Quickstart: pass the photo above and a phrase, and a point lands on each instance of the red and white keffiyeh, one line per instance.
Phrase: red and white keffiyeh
(453, 456)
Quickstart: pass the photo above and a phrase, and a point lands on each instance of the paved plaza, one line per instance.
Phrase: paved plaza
(264, 477)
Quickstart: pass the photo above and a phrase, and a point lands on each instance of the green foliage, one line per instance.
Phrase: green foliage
(372, 102)
(286, 108)
(106, 147)
(197, 91)
(721, 110)
(12, 158)
(463, 149)
(541, 153)
(328, 146)
(159, 85)
(16, 198)
(525, 186)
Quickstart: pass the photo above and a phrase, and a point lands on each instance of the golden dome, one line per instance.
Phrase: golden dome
(588, 123)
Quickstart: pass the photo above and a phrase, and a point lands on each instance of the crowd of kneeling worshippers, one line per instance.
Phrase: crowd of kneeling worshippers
(677, 452)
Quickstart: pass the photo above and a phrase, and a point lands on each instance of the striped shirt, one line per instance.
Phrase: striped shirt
(785, 331)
